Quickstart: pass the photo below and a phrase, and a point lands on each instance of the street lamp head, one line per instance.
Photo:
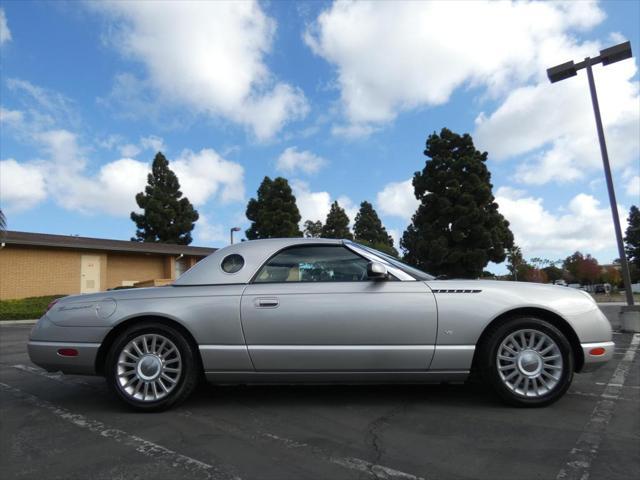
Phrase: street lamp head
(235, 229)
(616, 53)
(562, 71)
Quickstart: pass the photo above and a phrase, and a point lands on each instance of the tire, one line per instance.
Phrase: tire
(152, 367)
(540, 369)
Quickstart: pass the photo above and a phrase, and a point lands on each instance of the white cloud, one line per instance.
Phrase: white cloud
(397, 199)
(582, 225)
(291, 160)
(207, 232)
(205, 173)
(21, 185)
(44, 105)
(63, 175)
(315, 206)
(11, 117)
(553, 124)
(396, 56)
(633, 186)
(129, 150)
(5, 33)
(153, 143)
(209, 56)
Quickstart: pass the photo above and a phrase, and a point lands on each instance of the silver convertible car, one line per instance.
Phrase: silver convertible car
(315, 310)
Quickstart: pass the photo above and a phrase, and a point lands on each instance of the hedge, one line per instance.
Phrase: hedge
(25, 308)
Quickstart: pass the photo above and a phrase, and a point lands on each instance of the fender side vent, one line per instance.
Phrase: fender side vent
(444, 290)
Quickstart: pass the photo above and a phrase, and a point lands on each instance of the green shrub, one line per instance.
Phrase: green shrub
(25, 308)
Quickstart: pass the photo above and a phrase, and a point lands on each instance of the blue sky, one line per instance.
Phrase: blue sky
(339, 98)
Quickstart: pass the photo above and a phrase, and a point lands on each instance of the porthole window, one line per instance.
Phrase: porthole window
(232, 263)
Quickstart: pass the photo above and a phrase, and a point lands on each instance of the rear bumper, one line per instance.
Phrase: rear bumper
(593, 362)
(45, 355)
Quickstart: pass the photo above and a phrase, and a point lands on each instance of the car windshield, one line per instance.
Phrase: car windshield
(408, 269)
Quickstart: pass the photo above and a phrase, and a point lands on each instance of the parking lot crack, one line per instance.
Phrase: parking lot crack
(373, 437)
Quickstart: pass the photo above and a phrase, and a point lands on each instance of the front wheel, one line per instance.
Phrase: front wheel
(527, 361)
(151, 367)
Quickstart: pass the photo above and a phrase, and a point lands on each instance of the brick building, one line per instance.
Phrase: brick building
(36, 264)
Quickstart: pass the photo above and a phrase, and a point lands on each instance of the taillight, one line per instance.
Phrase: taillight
(68, 352)
(597, 351)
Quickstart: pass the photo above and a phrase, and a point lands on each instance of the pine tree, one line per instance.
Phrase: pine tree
(457, 229)
(312, 229)
(368, 230)
(167, 217)
(632, 237)
(337, 223)
(274, 214)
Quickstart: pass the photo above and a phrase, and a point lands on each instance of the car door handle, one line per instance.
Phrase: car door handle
(267, 302)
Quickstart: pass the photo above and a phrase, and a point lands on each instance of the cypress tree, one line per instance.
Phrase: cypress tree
(337, 223)
(632, 237)
(368, 230)
(167, 217)
(274, 214)
(457, 229)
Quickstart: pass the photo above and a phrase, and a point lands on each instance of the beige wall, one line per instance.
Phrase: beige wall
(34, 272)
(27, 272)
(126, 266)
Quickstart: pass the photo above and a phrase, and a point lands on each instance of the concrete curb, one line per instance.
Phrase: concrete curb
(18, 322)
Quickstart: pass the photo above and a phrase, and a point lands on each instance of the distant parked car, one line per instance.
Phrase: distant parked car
(602, 288)
(330, 311)
(561, 282)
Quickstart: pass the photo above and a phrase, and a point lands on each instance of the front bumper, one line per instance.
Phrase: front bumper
(45, 355)
(593, 362)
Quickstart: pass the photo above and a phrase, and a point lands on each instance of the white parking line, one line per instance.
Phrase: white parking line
(617, 385)
(353, 463)
(58, 377)
(145, 447)
(579, 461)
(376, 471)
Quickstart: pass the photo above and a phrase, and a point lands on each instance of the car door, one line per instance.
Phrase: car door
(312, 308)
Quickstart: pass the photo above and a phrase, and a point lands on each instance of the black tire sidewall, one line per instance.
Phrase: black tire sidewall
(187, 380)
(489, 369)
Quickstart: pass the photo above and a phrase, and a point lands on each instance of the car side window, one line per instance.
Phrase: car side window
(314, 263)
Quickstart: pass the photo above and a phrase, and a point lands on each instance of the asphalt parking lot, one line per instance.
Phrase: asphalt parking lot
(65, 427)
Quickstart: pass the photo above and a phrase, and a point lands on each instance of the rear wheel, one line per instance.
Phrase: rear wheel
(527, 361)
(151, 367)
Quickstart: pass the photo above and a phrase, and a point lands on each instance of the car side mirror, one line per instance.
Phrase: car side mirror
(377, 271)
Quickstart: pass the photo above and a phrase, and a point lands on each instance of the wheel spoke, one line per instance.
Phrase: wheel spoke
(511, 375)
(137, 348)
(130, 355)
(510, 350)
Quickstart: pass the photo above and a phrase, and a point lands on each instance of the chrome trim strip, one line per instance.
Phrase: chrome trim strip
(455, 347)
(222, 347)
(342, 347)
(62, 344)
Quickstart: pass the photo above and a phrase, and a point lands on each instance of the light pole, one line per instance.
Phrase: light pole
(570, 69)
(234, 229)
